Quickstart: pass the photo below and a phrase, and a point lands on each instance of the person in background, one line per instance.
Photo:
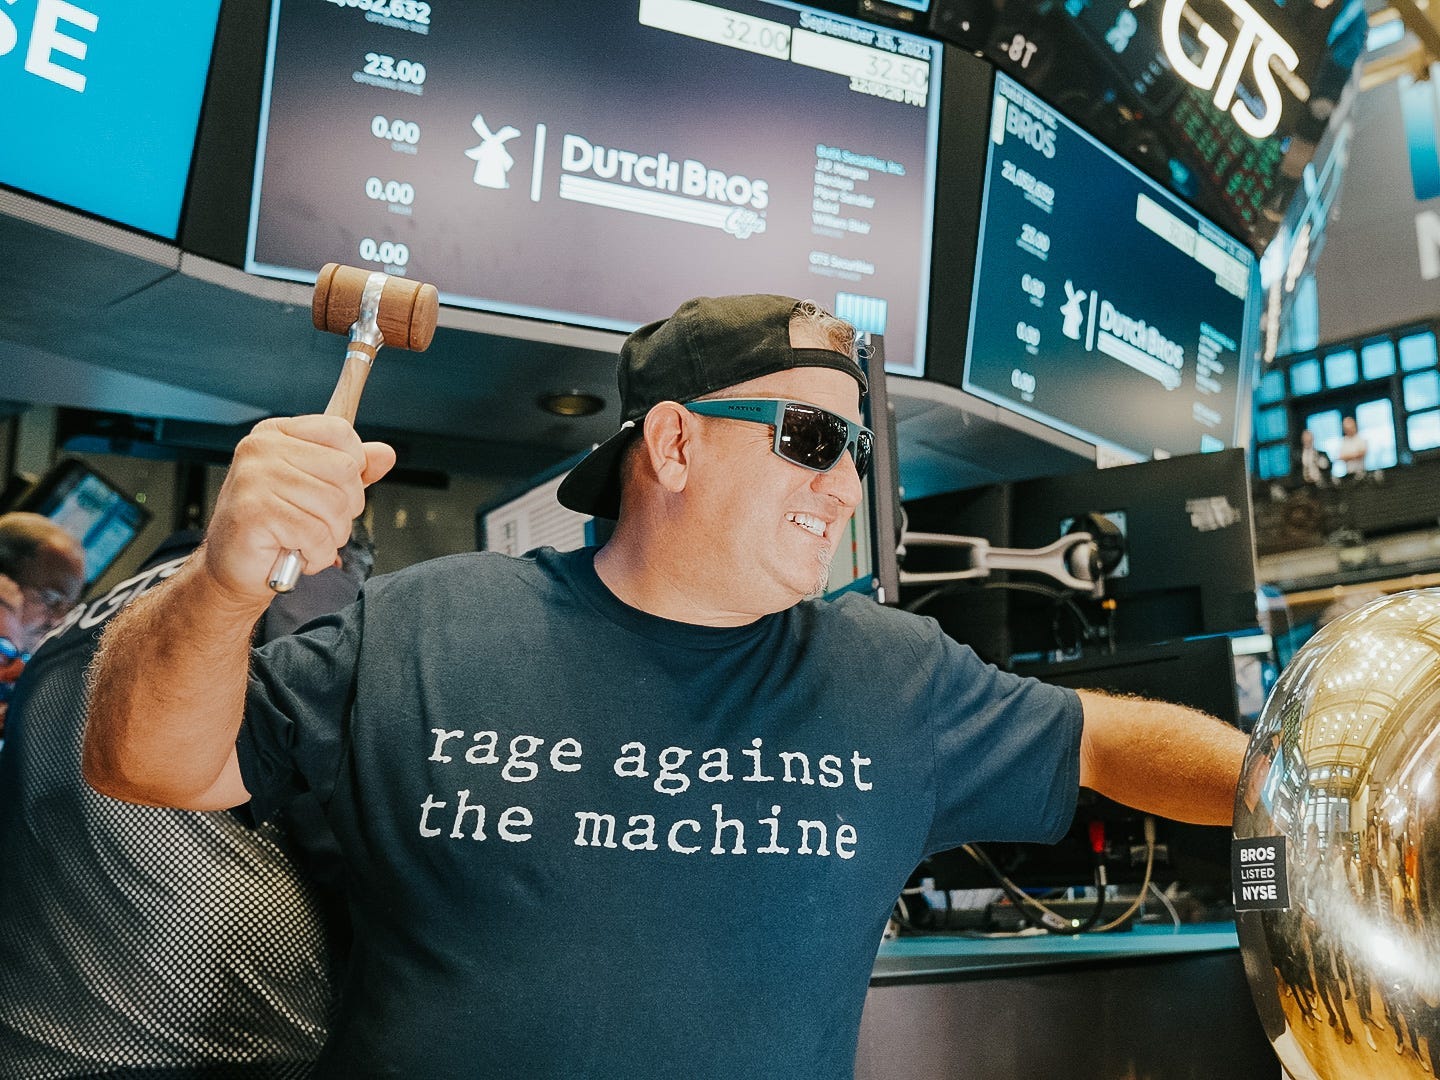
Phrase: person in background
(1314, 463)
(12, 657)
(1352, 449)
(49, 566)
(141, 942)
(42, 571)
(639, 811)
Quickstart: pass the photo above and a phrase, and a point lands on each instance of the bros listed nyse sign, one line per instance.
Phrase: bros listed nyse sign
(1258, 874)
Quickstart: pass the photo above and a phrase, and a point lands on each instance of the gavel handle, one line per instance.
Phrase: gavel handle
(343, 402)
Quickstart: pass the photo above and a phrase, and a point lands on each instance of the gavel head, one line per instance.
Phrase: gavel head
(406, 315)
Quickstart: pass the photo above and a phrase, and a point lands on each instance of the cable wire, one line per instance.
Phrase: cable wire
(1120, 919)
(1032, 910)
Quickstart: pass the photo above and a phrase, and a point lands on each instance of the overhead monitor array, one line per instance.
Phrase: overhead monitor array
(602, 163)
(596, 164)
(1102, 305)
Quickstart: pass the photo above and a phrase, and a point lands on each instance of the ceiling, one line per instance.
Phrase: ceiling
(96, 317)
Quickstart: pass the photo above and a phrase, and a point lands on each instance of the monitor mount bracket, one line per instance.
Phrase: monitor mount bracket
(1073, 560)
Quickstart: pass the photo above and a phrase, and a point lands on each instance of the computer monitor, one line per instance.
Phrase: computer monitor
(528, 517)
(102, 102)
(91, 508)
(1189, 565)
(592, 163)
(1188, 570)
(1088, 298)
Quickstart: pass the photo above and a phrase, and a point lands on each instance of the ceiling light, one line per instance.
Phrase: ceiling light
(571, 403)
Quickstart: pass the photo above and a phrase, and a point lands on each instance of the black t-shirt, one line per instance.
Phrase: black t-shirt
(584, 841)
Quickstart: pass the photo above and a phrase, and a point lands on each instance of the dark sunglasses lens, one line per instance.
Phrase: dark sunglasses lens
(864, 447)
(812, 437)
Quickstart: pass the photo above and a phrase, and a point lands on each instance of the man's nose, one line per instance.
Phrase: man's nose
(843, 482)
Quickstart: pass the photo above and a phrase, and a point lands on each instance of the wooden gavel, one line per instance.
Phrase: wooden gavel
(374, 309)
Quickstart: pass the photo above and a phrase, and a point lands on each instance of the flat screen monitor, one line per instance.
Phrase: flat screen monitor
(102, 99)
(1222, 103)
(529, 517)
(91, 508)
(1189, 564)
(593, 163)
(1188, 568)
(1101, 305)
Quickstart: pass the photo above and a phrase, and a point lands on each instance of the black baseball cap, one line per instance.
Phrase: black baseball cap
(710, 343)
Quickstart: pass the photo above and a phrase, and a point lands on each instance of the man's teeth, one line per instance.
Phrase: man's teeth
(808, 523)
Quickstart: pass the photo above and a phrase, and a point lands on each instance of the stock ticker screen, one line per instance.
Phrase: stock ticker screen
(1221, 101)
(598, 163)
(1102, 305)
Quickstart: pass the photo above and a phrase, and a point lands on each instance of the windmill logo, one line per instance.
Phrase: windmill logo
(492, 160)
(1072, 311)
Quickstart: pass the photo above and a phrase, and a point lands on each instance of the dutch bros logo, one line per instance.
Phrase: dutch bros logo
(1254, 37)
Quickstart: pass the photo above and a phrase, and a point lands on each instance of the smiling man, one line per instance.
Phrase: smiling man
(638, 812)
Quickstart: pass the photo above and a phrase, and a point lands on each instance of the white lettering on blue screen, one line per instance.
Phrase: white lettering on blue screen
(47, 38)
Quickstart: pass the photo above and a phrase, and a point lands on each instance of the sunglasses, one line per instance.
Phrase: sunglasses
(10, 652)
(805, 435)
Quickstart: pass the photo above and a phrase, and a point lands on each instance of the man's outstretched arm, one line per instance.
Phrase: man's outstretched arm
(168, 685)
(1161, 758)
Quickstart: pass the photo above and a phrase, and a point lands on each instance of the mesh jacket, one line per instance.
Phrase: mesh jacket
(137, 941)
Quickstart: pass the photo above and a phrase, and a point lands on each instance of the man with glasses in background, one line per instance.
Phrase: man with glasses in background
(42, 572)
(639, 811)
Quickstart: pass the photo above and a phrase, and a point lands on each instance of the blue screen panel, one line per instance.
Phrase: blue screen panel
(103, 98)
(1417, 351)
(1377, 359)
(1305, 377)
(1341, 369)
(1065, 328)
(1423, 432)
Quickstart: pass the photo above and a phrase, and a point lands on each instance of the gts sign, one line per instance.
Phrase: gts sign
(48, 37)
(1253, 39)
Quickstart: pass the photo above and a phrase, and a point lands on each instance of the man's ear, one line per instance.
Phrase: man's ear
(668, 433)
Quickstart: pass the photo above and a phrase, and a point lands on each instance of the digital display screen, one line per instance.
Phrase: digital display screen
(102, 99)
(1102, 305)
(91, 509)
(1221, 101)
(600, 163)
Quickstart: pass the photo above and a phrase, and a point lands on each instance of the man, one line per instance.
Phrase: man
(1352, 449)
(12, 657)
(1314, 463)
(147, 941)
(639, 812)
(42, 570)
(49, 566)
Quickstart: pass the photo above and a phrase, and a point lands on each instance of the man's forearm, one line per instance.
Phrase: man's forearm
(1161, 758)
(168, 694)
